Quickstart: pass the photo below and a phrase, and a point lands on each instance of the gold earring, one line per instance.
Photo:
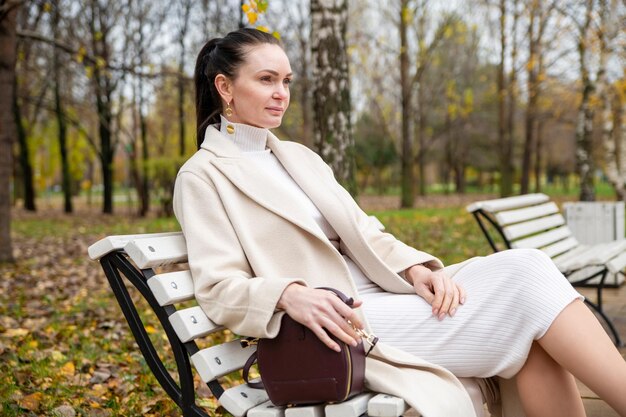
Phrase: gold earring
(229, 111)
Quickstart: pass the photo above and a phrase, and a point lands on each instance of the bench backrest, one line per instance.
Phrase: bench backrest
(138, 259)
(526, 221)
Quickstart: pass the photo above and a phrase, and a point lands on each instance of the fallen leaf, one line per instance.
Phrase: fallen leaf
(31, 402)
(64, 411)
(19, 332)
(68, 369)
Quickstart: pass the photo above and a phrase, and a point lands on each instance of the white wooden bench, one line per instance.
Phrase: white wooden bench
(140, 259)
(533, 221)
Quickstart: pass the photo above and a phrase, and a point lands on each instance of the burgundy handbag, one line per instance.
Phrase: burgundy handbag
(297, 368)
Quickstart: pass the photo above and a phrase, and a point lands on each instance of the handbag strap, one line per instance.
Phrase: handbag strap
(342, 296)
(246, 372)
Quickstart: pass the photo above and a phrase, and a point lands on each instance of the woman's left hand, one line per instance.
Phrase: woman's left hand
(443, 294)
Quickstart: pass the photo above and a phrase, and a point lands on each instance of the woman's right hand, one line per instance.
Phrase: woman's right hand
(320, 309)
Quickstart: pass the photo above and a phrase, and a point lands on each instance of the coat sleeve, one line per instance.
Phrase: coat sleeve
(224, 284)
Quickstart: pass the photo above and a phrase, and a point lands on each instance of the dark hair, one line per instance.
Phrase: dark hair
(221, 56)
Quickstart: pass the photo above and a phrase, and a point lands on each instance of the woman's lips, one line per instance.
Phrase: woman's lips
(275, 110)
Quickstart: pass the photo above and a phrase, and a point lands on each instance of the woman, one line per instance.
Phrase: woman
(265, 223)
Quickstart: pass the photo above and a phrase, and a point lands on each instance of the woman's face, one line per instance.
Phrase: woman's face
(260, 90)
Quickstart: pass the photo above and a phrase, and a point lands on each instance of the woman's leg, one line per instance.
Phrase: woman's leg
(546, 389)
(577, 342)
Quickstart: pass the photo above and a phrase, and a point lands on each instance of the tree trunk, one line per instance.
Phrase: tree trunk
(584, 127)
(421, 141)
(66, 180)
(509, 139)
(408, 189)
(331, 91)
(181, 77)
(145, 183)
(506, 166)
(305, 96)
(7, 127)
(612, 102)
(103, 91)
(538, 155)
(28, 179)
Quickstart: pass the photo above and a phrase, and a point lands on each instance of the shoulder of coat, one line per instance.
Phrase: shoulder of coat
(198, 162)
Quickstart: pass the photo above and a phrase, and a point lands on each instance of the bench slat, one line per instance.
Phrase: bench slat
(586, 272)
(354, 407)
(508, 203)
(172, 287)
(515, 216)
(241, 398)
(267, 409)
(151, 252)
(617, 264)
(219, 360)
(384, 405)
(305, 411)
(594, 255)
(560, 247)
(191, 323)
(534, 226)
(117, 242)
(544, 239)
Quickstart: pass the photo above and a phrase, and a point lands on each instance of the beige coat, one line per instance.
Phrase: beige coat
(247, 241)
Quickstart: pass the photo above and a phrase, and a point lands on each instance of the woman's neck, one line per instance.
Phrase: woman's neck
(247, 138)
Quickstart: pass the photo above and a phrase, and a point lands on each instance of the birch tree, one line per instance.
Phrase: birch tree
(584, 126)
(612, 96)
(331, 89)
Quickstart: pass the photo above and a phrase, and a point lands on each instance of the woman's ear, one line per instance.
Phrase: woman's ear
(224, 87)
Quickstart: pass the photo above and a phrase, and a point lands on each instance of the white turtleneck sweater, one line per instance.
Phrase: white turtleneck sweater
(252, 143)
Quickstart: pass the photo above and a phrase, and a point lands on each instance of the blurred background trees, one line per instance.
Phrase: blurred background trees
(505, 96)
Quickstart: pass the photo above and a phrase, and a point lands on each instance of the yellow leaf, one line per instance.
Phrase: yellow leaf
(407, 15)
(31, 402)
(262, 5)
(68, 369)
(252, 17)
(47, 7)
(33, 344)
(263, 29)
(276, 35)
(150, 329)
(245, 8)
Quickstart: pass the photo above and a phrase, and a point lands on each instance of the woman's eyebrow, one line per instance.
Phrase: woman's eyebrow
(275, 72)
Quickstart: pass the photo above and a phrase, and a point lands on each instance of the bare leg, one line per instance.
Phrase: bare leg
(546, 389)
(577, 341)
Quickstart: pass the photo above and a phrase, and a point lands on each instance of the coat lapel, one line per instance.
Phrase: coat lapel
(254, 182)
(338, 213)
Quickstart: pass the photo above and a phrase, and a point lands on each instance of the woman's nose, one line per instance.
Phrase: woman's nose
(281, 92)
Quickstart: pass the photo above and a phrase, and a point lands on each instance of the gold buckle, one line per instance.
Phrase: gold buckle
(248, 341)
(372, 339)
